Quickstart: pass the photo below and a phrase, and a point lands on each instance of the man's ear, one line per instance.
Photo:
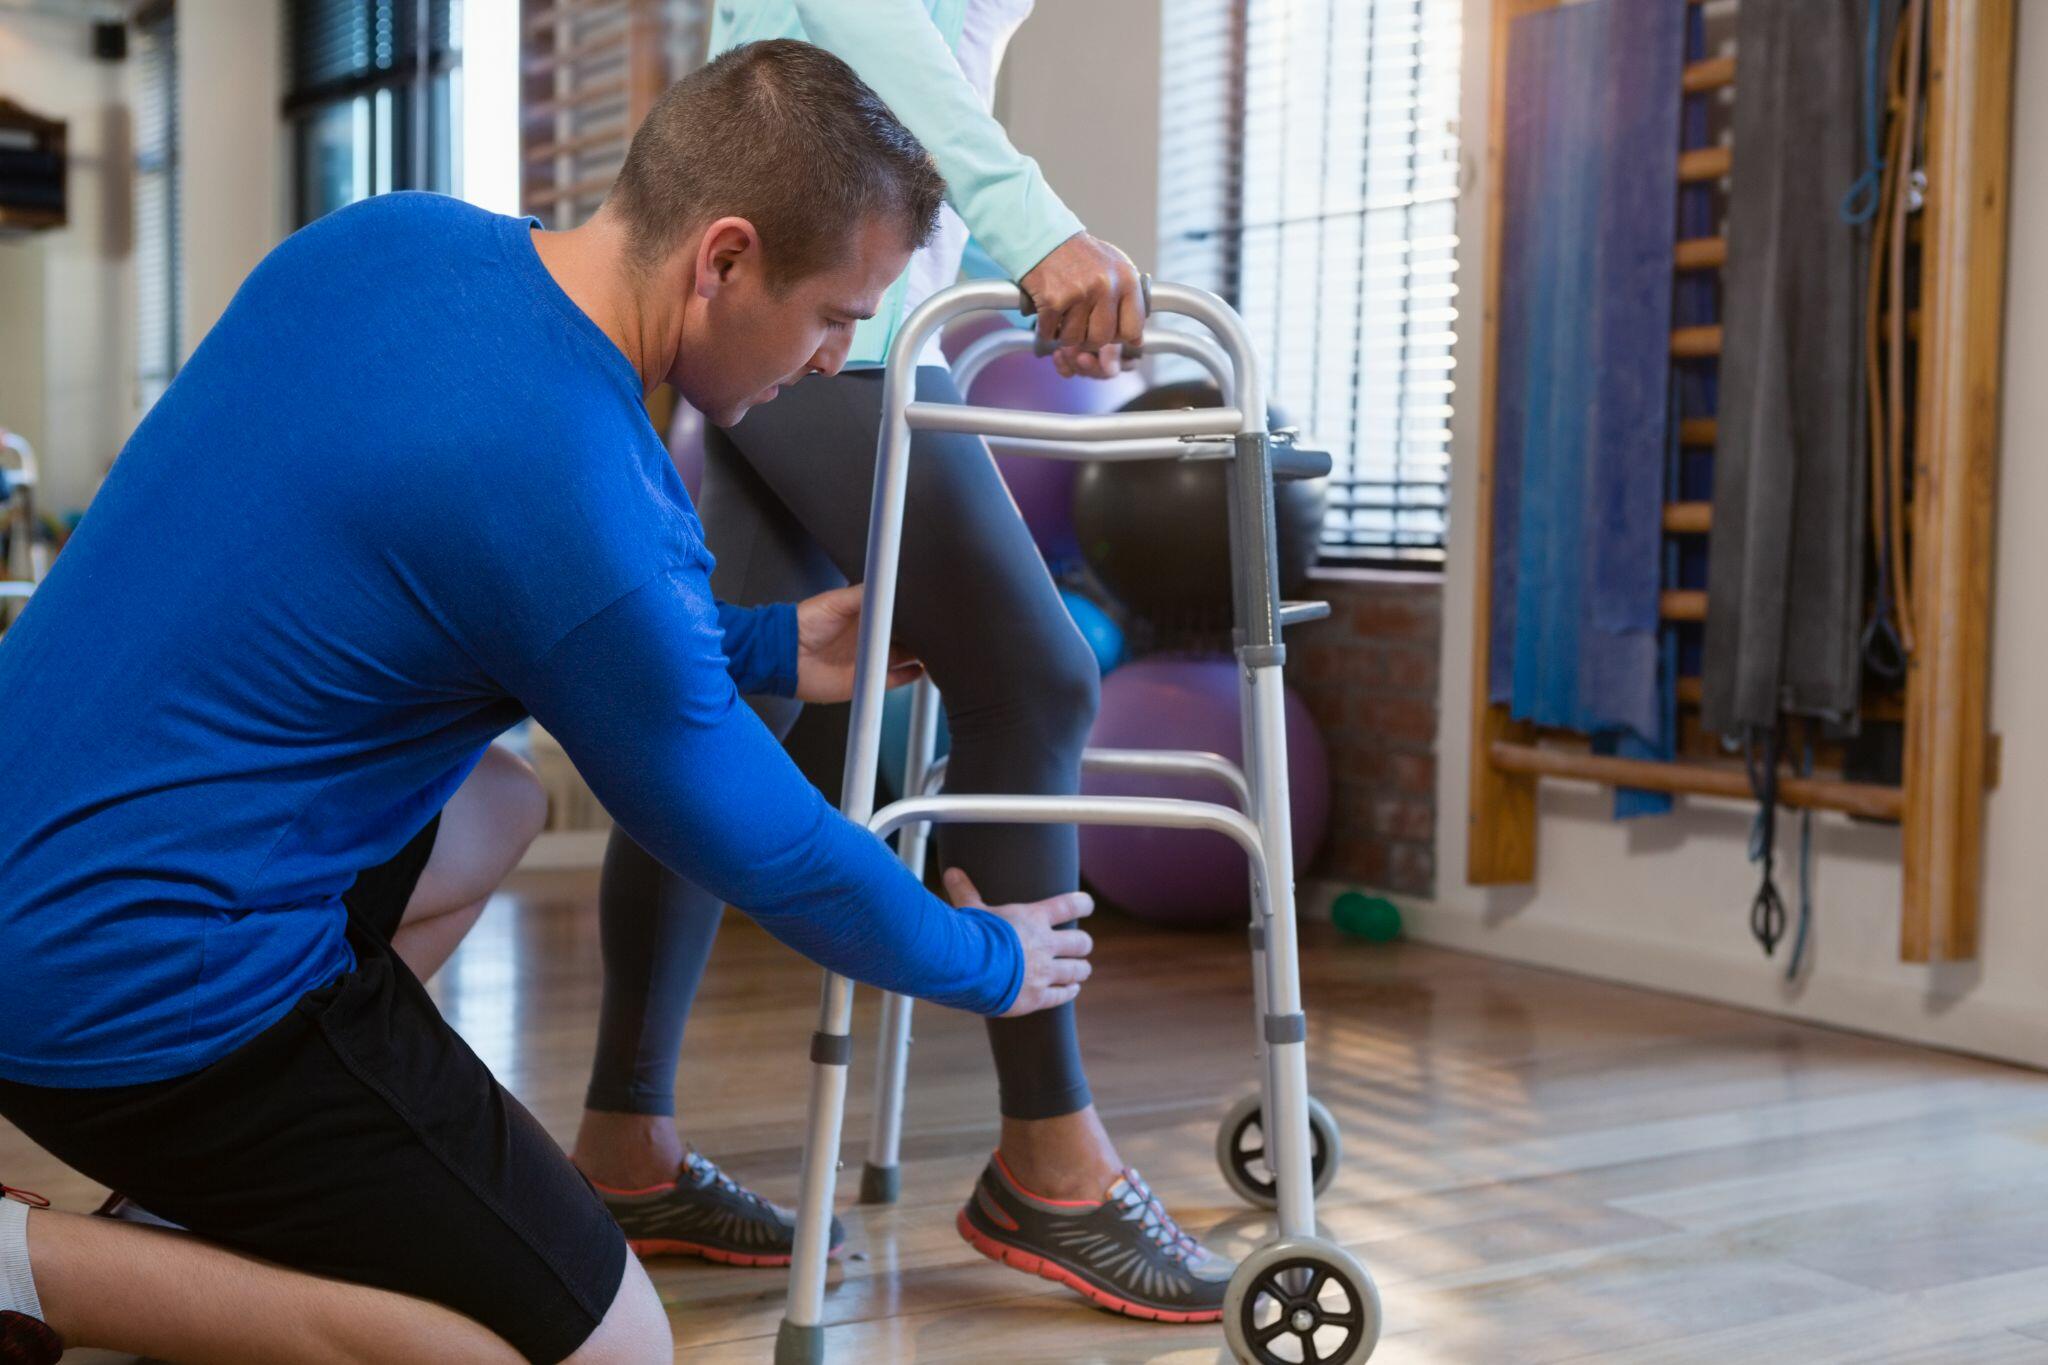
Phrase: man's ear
(724, 247)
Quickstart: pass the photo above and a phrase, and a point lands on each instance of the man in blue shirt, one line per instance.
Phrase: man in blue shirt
(403, 495)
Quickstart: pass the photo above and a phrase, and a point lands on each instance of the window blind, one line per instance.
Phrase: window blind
(158, 268)
(1309, 174)
(343, 47)
(369, 97)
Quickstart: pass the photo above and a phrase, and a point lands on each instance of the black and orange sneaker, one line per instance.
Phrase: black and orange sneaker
(1123, 1252)
(24, 1339)
(705, 1212)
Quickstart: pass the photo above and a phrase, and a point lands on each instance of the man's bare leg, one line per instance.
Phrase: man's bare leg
(160, 1293)
(485, 829)
(167, 1294)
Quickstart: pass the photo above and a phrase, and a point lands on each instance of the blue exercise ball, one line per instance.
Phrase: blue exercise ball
(896, 737)
(1105, 638)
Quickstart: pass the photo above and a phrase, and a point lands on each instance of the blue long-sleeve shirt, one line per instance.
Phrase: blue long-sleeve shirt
(403, 494)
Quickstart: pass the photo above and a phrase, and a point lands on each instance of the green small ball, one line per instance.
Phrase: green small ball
(1373, 918)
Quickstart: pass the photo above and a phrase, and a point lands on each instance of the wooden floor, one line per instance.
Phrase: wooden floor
(1537, 1168)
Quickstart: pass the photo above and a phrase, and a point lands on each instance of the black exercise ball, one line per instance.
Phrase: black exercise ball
(1156, 532)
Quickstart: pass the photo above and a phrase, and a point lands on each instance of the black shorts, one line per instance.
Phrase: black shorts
(359, 1137)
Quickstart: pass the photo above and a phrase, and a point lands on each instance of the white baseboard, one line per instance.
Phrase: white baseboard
(566, 850)
(1964, 1021)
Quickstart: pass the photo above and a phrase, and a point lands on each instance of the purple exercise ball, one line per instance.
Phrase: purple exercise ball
(1189, 877)
(1044, 489)
(964, 331)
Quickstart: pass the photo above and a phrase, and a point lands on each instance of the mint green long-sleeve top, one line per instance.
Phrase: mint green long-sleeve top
(904, 50)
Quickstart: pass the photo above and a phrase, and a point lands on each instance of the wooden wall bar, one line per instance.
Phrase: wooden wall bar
(1948, 753)
(1500, 812)
(1969, 137)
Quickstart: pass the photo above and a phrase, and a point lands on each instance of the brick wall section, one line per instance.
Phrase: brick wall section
(1369, 675)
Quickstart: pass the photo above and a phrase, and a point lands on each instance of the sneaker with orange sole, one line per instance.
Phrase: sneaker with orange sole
(705, 1212)
(1122, 1252)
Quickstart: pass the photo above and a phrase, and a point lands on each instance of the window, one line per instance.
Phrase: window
(159, 292)
(370, 99)
(1309, 174)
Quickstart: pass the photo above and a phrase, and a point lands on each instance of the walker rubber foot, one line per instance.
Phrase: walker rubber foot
(797, 1345)
(880, 1184)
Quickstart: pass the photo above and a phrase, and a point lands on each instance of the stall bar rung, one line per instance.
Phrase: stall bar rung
(1691, 691)
(545, 63)
(1700, 433)
(1691, 343)
(547, 151)
(545, 196)
(1704, 163)
(1688, 518)
(1711, 74)
(1697, 779)
(581, 99)
(1682, 604)
(1701, 253)
(564, 10)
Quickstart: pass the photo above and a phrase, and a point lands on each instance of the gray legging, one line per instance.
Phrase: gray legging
(785, 504)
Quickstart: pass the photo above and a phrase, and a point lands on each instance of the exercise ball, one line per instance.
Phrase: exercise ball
(1373, 918)
(1105, 638)
(1044, 489)
(1156, 532)
(896, 737)
(964, 331)
(1189, 877)
(686, 447)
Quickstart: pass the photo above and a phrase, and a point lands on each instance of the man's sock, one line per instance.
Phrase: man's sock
(17, 1281)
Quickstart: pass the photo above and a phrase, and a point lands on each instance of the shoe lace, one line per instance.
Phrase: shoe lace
(21, 1196)
(1142, 1206)
(704, 1171)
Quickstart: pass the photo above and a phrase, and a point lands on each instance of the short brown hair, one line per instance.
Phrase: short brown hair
(783, 134)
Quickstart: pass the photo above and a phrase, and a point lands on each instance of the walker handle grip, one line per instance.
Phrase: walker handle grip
(1041, 347)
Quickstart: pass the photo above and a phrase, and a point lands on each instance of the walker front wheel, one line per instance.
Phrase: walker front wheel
(1247, 1166)
(1302, 1302)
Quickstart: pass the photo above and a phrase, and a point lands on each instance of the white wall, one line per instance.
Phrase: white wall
(1080, 92)
(1664, 902)
(233, 199)
(67, 295)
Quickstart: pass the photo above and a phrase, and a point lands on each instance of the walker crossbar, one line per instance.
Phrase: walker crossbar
(1172, 424)
(1158, 762)
(1236, 432)
(1159, 812)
